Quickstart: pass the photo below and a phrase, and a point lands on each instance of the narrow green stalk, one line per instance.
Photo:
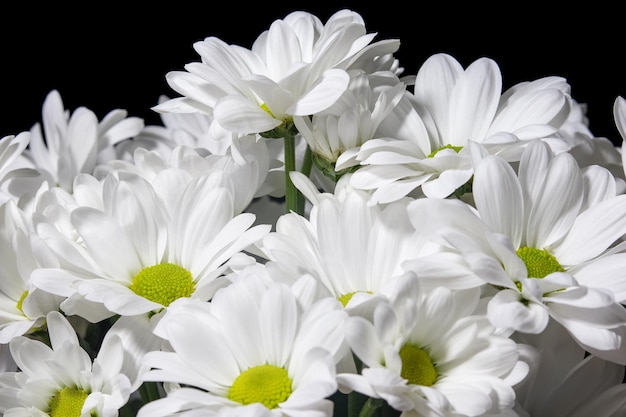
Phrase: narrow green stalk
(149, 391)
(371, 406)
(307, 163)
(356, 401)
(291, 192)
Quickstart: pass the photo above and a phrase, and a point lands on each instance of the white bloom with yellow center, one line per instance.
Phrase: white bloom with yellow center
(149, 245)
(61, 380)
(518, 298)
(458, 106)
(297, 67)
(351, 247)
(253, 348)
(573, 233)
(426, 353)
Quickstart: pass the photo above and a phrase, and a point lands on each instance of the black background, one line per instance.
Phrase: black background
(115, 56)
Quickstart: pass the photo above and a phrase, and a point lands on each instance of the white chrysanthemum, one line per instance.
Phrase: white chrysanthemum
(459, 106)
(351, 247)
(296, 67)
(565, 381)
(65, 144)
(589, 149)
(246, 164)
(426, 354)
(150, 244)
(254, 347)
(372, 106)
(195, 130)
(519, 298)
(23, 308)
(62, 380)
(571, 234)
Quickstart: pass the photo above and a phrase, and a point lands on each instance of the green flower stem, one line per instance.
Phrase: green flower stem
(307, 163)
(149, 392)
(291, 192)
(371, 406)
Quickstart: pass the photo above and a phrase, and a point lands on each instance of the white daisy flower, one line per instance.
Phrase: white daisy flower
(253, 348)
(195, 130)
(246, 164)
(528, 287)
(426, 354)
(295, 68)
(571, 234)
(351, 247)
(459, 106)
(589, 149)
(170, 239)
(65, 144)
(372, 106)
(62, 380)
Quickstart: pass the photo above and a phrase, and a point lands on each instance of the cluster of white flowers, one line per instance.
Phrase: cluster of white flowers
(313, 233)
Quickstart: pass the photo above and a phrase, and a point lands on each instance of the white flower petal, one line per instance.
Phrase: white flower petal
(506, 310)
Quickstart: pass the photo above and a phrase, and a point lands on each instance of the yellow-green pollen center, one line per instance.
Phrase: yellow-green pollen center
(539, 262)
(68, 402)
(163, 283)
(345, 299)
(456, 149)
(21, 301)
(265, 384)
(417, 367)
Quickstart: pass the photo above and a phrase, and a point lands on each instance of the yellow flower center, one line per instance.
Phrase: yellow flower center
(163, 283)
(345, 299)
(265, 384)
(68, 402)
(20, 301)
(417, 367)
(456, 149)
(539, 262)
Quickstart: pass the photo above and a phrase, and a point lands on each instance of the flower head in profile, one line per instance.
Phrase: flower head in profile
(297, 67)
(374, 105)
(245, 165)
(254, 348)
(61, 379)
(66, 144)
(458, 106)
(427, 354)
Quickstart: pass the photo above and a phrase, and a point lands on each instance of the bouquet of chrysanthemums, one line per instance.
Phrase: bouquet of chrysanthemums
(311, 232)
